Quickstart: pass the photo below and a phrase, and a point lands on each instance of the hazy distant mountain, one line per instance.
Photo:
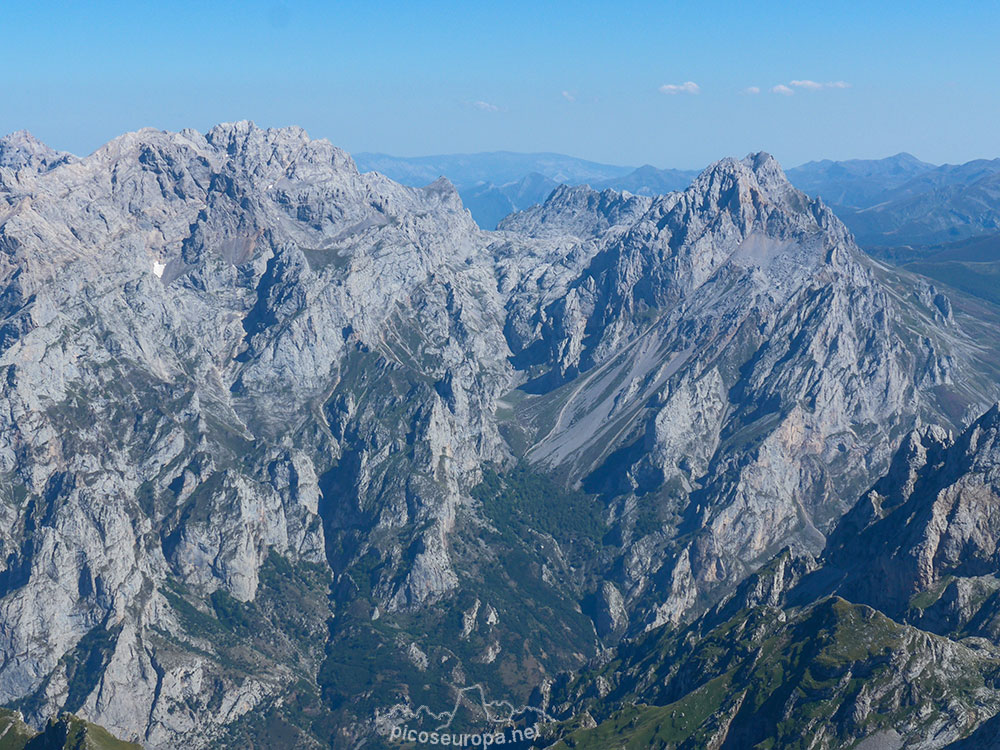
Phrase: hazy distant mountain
(490, 168)
(857, 183)
(947, 175)
(901, 201)
(948, 204)
(647, 180)
(490, 203)
(981, 249)
(971, 265)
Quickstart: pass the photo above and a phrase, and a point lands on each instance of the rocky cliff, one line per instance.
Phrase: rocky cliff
(888, 638)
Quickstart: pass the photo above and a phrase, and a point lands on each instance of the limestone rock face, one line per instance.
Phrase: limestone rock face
(612, 617)
(251, 398)
(729, 372)
(888, 639)
(928, 533)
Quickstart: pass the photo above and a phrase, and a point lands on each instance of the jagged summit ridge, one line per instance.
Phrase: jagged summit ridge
(748, 189)
(20, 150)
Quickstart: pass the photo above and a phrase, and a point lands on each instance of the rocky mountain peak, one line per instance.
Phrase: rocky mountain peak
(21, 149)
(579, 211)
(19, 140)
(255, 149)
(443, 192)
(904, 158)
(750, 183)
(245, 137)
(749, 190)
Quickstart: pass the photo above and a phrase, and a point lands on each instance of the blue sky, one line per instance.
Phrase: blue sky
(588, 79)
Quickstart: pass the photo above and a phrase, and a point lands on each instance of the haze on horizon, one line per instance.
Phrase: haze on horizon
(699, 80)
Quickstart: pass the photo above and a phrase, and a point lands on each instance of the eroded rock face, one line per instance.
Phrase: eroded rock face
(797, 649)
(927, 535)
(230, 362)
(758, 671)
(152, 421)
(730, 373)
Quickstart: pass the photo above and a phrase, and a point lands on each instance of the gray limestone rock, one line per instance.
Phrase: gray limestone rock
(249, 394)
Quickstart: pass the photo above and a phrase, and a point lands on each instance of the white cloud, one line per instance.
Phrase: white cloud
(751, 90)
(816, 85)
(688, 87)
(783, 90)
(486, 106)
(568, 96)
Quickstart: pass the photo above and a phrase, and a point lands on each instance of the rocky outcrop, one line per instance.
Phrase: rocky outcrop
(787, 655)
(612, 616)
(923, 542)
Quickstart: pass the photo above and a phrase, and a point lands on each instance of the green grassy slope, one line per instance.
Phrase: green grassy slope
(826, 676)
(68, 732)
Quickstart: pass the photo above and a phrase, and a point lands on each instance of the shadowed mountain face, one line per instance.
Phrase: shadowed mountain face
(289, 451)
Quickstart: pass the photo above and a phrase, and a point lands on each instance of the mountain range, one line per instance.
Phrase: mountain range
(292, 454)
(889, 204)
(901, 201)
(494, 185)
